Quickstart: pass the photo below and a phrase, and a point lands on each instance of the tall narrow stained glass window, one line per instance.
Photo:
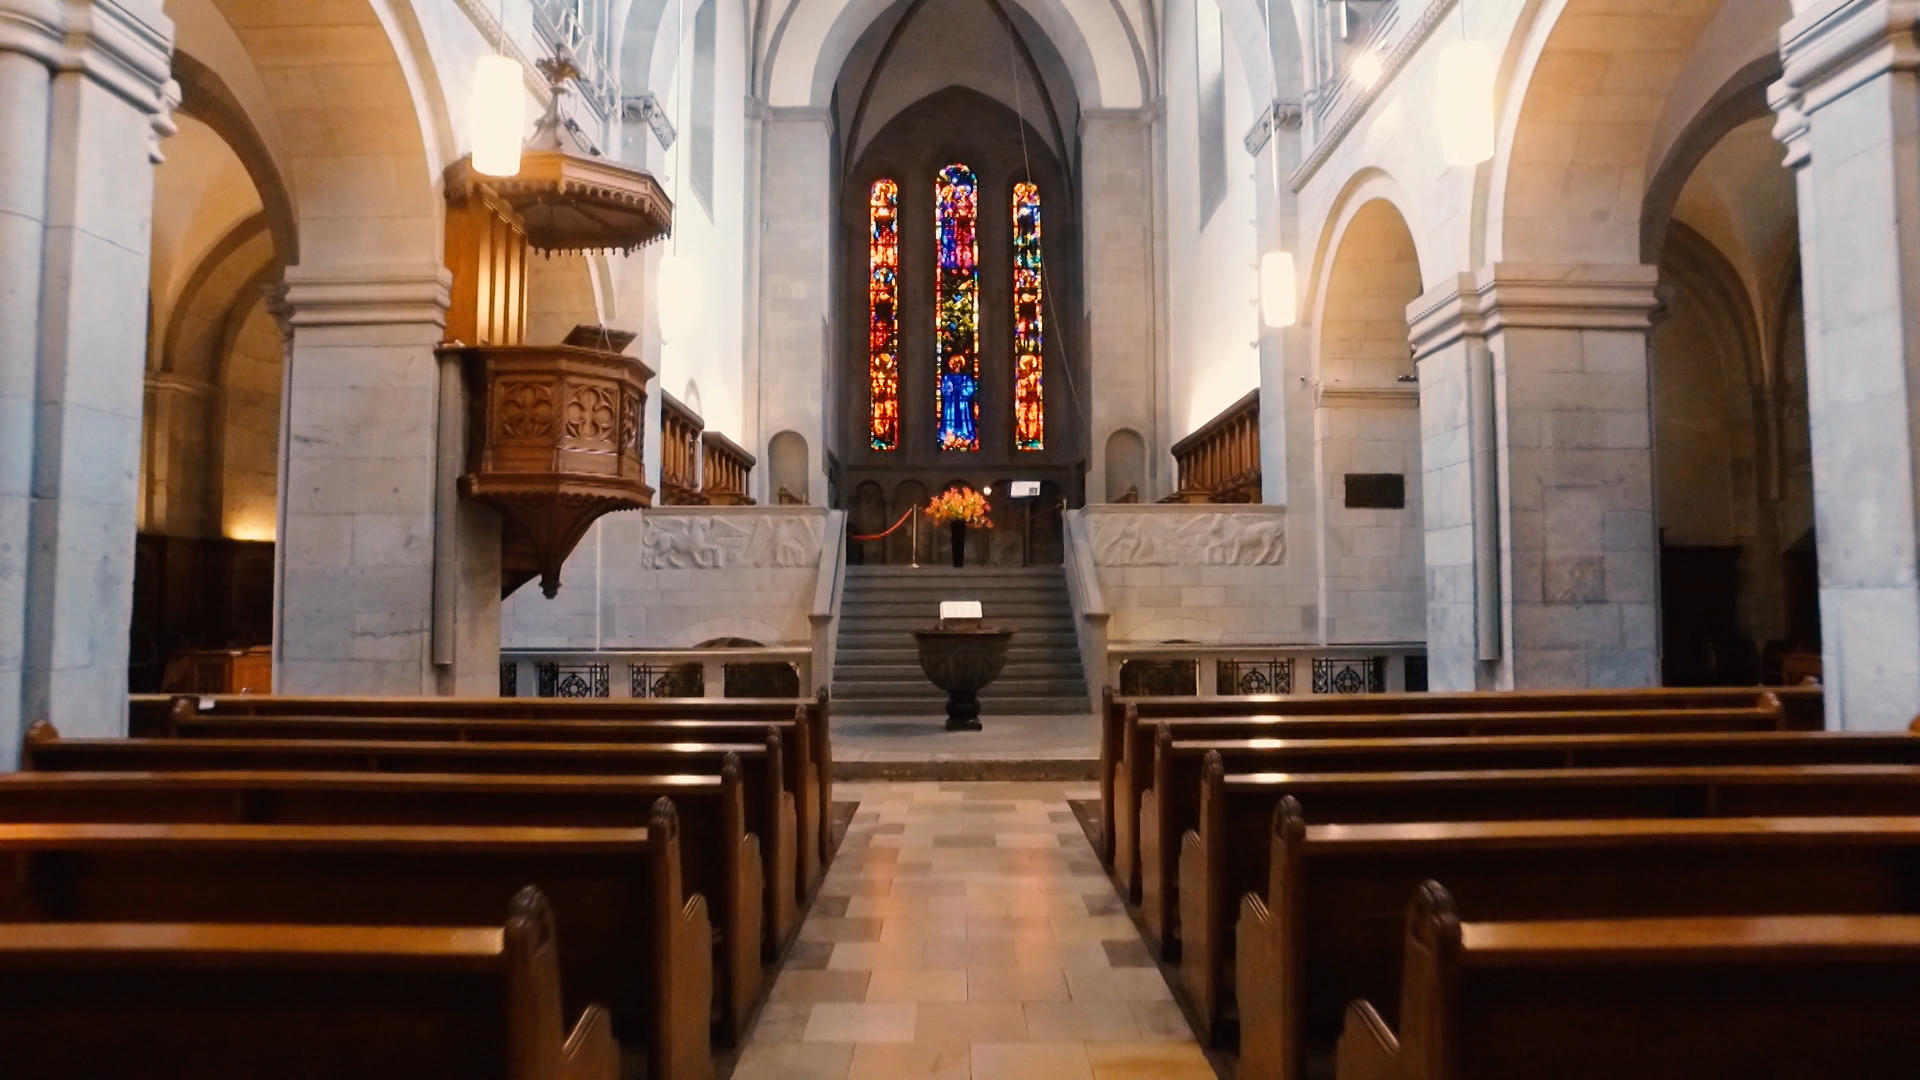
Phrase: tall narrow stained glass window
(956, 314)
(1029, 331)
(883, 315)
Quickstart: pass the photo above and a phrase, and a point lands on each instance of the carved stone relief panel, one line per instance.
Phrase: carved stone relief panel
(725, 541)
(1196, 538)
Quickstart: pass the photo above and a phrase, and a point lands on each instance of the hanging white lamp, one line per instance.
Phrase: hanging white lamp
(1279, 284)
(496, 115)
(1464, 104)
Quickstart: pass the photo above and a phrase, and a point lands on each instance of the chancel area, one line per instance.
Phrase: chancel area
(982, 539)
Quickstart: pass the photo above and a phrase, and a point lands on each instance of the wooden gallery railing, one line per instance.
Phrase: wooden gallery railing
(1220, 462)
(680, 429)
(728, 466)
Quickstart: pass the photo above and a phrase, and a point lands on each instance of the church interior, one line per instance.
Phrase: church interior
(960, 539)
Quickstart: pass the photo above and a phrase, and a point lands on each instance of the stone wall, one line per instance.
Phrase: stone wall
(1199, 573)
(673, 577)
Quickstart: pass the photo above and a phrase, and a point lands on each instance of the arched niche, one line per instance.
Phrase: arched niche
(1126, 458)
(787, 468)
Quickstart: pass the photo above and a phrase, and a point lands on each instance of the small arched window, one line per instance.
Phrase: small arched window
(957, 308)
(1029, 329)
(883, 315)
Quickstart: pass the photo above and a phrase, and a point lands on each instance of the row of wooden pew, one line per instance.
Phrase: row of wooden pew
(1590, 884)
(335, 886)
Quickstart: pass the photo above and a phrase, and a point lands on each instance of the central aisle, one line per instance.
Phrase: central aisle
(967, 930)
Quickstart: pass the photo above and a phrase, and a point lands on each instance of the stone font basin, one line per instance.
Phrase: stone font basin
(963, 662)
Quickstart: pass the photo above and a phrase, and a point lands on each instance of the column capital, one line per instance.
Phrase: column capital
(125, 46)
(1500, 296)
(371, 296)
(1832, 48)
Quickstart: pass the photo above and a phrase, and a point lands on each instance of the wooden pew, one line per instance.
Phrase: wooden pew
(167, 1001)
(1227, 856)
(630, 937)
(720, 859)
(1171, 805)
(1326, 928)
(1654, 999)
(1803, 706)
(1133, 775)
(150, 713)
(769, 801)
(803, 778)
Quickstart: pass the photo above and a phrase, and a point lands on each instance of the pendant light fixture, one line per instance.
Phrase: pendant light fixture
(1464, 104)
(496, 110)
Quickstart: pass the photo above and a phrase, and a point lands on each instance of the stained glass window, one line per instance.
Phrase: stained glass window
(1029, 332)
(883, 316)
(957, 308)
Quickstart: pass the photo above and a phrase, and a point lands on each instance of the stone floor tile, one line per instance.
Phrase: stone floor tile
(817, 986)
(1080, 1021)
(878, 907)
(794, 1061)
(818, 928)
(1127, 952)
(911, 1061)
(1103, 903)
(1031, 1061)
(1147, 1061)
(781, 1022)
(918, 986)
(860, 1022)
(971, 1022)
(1020, 984)
(1160, 1021)
(1094, 928)
(831, 907)
(876, 955)
(808, 956)
(1117, 984)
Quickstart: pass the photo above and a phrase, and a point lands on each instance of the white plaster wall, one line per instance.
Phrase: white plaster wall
(250, 444)
(1213, 356)
(675, 577)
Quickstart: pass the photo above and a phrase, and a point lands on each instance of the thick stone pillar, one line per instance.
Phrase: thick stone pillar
(1849, 107)
(363, 495)
(84, 95)
(1117, 229)
(796, 283)
(1537, 459)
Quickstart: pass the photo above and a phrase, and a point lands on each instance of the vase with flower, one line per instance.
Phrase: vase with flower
(959, 509)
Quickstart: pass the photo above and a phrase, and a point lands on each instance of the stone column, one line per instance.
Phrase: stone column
(359, 506)
(1118, 260)
(1537, 459)
(1274, 142)
(84, 94)
(1849, 107)
(796, 283)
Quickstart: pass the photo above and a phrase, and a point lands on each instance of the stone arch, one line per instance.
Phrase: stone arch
(205, 96)
(810, 42)
(1364, 188)
(1590, 110)
(1126, 459)
(787, 467)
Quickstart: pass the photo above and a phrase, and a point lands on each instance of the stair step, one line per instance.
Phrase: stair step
(936, 707)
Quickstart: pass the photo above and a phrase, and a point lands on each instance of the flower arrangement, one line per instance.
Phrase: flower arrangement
(960, 504)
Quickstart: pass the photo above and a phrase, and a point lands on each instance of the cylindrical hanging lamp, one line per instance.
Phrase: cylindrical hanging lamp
(496, 115)
(1464, 104)
(1279, 284)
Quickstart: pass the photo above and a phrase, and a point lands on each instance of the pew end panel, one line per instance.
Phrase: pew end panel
(1368, 1049)
(1159, 851)
(1205, 908)
(822, 732)
(682, 971)
(535, 1045)
(743, 906)
(1109, 755)
(1126, 810)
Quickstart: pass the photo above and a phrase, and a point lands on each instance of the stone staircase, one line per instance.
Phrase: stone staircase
(877, 668)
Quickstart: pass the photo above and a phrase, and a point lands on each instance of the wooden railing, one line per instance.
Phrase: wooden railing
(1220, 462)
(680, 429)
(728, 466)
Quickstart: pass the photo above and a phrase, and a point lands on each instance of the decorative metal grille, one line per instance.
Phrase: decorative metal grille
(571, 680)
(509, 678)
(666, 680)
(1159, 678)
(1238, 677)
(1350, 675)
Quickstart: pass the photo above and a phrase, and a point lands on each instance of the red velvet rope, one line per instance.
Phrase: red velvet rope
(891, 529)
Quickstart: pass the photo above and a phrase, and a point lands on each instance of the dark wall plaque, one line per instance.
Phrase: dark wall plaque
(1376, 491)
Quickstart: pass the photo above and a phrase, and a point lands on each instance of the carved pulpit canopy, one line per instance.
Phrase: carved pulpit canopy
(563, 200)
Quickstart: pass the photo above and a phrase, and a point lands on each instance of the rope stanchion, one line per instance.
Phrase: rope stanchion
(891, 529)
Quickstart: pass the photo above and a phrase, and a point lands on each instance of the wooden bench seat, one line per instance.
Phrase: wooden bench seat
(1326, 928)
(151, 713)
(1649, 998)
(803, 776)
(1227, 856)
(630, 937)
(771, 805)
(1134, 774)
(1803, 707)
(1171, 805)
(720, 858)
(187, 1001)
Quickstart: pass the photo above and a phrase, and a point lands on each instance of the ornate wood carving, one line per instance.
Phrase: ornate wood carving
(553, 443)
(1154, 537)
(680, 429)
(1220, 462)
(728, 466)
